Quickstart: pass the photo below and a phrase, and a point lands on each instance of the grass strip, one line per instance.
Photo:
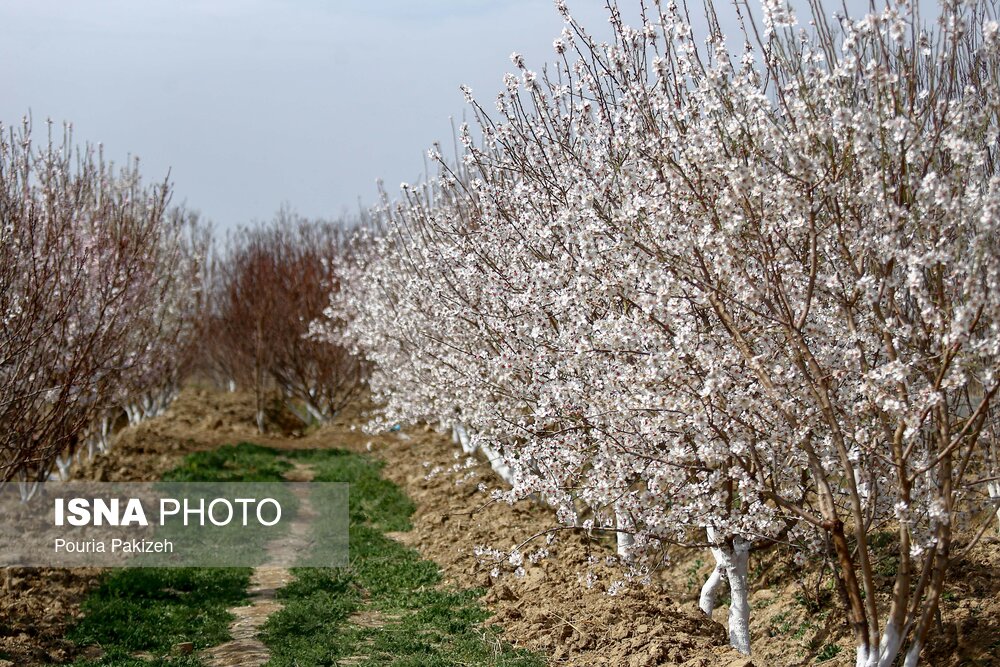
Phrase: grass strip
(151, 610)
(387, 607)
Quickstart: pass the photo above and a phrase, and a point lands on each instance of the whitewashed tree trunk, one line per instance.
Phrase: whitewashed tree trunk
(994, 490)
(463, 438)
(134, 413)
(731, 563)
(710, 590)
(102, 442)
(99, 440)
(493, 456)
(497, 463)
(888, 648)
(27, 489)
(105, 434)
(316, 413)
(300, 414)
(739, 593)
(625, 535)
(913, 655)
(308, 413)
(146, 406)
(860, 474)
(63, 465)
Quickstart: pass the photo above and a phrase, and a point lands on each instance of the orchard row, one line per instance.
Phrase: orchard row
(723, 293)
(97, 290)
(111, 297)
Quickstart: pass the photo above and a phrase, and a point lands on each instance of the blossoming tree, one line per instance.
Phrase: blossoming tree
(96, 288)
(268, 284)
(719, 296)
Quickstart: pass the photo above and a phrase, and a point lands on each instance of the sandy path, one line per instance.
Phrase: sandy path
(245, 649)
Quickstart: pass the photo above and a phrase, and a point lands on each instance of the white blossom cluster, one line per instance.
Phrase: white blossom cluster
(693, 294)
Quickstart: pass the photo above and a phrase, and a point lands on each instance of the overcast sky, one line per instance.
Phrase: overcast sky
(253, 103)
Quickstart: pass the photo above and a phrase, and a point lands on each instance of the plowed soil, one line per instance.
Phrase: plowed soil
(551, 609)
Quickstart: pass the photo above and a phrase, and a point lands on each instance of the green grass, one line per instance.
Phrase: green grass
(828, 652)
(419, 624)
(119, 658)
(244, 462)
(780, 625)
(152, 609)
(803, 629)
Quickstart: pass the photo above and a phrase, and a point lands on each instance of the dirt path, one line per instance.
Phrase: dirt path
(245, 649)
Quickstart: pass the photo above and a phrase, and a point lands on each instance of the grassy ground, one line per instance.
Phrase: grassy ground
(150, 610)
(386, 608)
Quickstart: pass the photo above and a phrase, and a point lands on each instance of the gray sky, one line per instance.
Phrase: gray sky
(251, 103)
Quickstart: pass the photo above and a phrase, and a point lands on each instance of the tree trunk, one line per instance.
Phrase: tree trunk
(624, 536)
(462, 438)
(731, 563)
(994, 490)
(258, 375)
(710, 591)
(739, 592)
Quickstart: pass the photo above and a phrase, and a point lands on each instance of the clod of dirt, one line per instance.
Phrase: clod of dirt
(184, 648)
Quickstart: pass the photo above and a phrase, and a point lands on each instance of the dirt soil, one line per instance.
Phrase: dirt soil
(794, 621)
(548, 609)
(39, 605)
